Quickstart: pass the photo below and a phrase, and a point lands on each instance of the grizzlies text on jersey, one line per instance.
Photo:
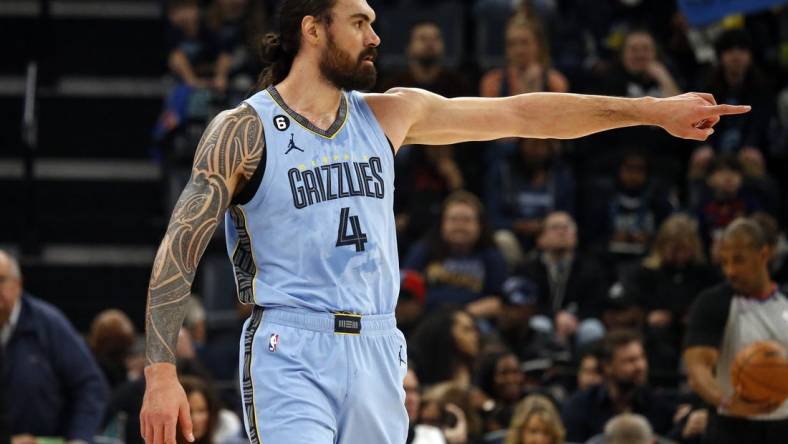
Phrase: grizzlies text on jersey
(318, 233)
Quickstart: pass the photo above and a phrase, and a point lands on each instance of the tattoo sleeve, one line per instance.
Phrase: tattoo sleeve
(231, 146)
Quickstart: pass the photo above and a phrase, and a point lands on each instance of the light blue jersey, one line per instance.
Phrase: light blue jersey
(319, 233)
(314, 237)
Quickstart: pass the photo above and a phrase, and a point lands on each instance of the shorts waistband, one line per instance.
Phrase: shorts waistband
(339, 323)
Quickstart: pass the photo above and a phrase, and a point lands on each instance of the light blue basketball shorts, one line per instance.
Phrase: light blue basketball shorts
(321, 378)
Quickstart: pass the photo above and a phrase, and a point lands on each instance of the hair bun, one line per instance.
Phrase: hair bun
(271, 49)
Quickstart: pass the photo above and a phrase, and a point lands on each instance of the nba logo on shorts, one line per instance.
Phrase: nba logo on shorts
(273, 342)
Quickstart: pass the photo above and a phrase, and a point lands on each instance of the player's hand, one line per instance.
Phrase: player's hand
(739, 406)
(692, 115)
(164, 406)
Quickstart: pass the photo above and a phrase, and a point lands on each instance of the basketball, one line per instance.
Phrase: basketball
(760, 372)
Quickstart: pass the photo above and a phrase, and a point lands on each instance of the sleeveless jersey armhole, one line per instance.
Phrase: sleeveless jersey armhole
(391, 145)
(251, 187)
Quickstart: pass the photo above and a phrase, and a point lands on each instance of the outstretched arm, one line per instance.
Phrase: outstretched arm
(416, 116)
(226, 157)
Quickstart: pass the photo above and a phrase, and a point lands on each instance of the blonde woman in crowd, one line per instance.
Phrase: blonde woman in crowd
(536, 421)
(527, 63)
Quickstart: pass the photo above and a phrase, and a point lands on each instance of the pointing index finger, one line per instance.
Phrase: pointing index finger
(722, 110)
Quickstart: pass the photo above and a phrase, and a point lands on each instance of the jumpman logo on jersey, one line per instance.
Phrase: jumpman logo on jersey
(401, 361)
(292, 146)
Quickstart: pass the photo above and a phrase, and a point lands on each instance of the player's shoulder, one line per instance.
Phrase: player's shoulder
(243, 111)
(235, 133)
(242, 124)
(400, 102)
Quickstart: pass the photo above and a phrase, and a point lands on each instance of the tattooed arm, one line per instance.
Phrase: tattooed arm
(226, 157)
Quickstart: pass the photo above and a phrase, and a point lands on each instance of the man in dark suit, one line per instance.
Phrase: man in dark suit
(570, 288)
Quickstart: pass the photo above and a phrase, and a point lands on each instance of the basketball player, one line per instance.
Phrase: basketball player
(724, 320)
(310, 231)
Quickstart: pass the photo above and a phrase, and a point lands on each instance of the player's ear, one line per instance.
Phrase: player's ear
(309, 29)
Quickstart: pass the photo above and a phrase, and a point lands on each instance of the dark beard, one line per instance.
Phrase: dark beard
(626, 388)
(344, 73)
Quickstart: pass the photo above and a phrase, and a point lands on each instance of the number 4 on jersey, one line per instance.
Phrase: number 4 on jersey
(356, 237)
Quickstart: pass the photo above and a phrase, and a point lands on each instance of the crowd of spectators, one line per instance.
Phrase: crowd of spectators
(582, 260)
(546, 285)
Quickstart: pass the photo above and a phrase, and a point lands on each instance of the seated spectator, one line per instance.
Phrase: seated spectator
(608, 23)
(664, 285)
(211, 423)
(427, 177)
(514, 329)
(528, 63)
(53, 386)
(453, 409)
(410, 303)
(624, 389)
(519, 304)
(628, 428)
(536, 421)
(723, 197)
(111, 338)
(622, 310)
(238, 24)
(570, 288)
(426, 69)
(737, 79)
(527, 185)
(755, 177)
(624, 214)
(639, 72)
(589, 372)
(418, 433)
(444, 347)
(501, 380)
(459, 261)
(196, 55)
